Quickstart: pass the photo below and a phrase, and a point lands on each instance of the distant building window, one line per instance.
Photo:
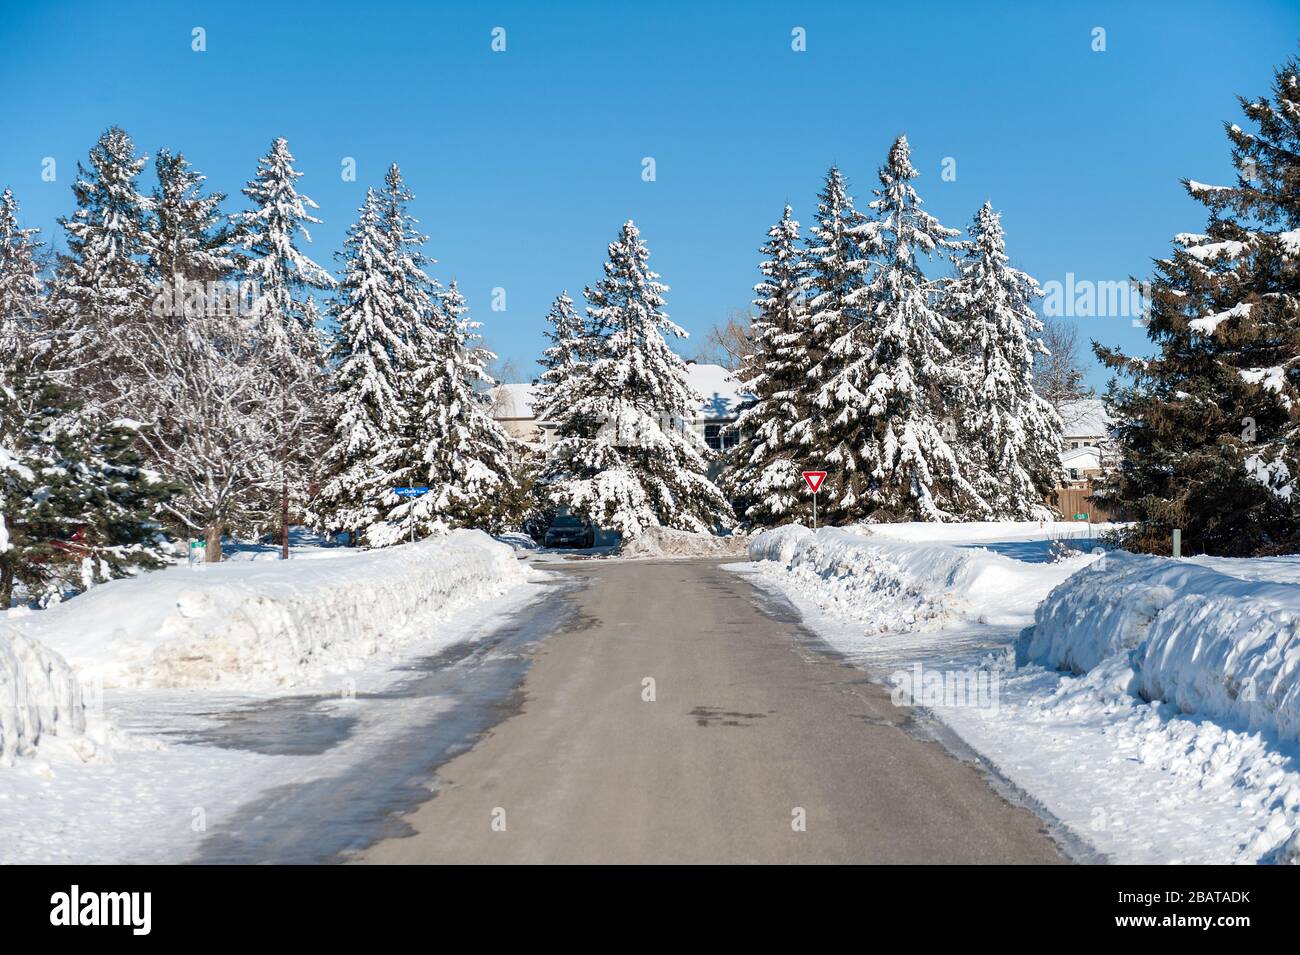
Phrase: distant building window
(719, 438)
(1074, 474)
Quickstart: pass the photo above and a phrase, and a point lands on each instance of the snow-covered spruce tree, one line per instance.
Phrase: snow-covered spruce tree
(763, 472)
(203, 397)
(21, 304)
(189, 237)
(1209, 427)
(454, 446)
(372, 355)
(22, 556)
(894, 372)
(21, 288)
(624, 457)
(566, 356)
(101, 296)
(1009, 438)
(837, 257)
(77, 506)
(414, 294)
(291, 346)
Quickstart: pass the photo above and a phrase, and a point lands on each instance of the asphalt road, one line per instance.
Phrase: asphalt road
(753, 727)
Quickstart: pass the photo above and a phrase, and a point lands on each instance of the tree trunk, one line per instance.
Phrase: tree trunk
(212, 537)
(6, 586)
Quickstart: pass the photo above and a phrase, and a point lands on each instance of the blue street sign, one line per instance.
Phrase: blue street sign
(410, 491)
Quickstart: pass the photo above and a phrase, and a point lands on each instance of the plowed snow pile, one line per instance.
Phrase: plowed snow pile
(268, 624)
(39, 699)
(892, 585)
(1210, 643)
(666, 542)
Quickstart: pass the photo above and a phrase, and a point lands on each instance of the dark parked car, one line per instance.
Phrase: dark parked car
(569, 531)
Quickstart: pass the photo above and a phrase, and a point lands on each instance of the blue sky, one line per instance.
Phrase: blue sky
(525, 163)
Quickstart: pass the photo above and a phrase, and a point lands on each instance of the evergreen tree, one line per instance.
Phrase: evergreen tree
(77, 507)
(838, 258)
(565, 357)
(24, 555)
(102, 296)
(189, 239)
(414, 293)
(625, 458)
(1209, 427)
(21, 288)
(291, 347)
(372, 354)
(21, 305)
(894, 372)
(763, 474)
(460, 452)
(115, 524)
(1010, 438)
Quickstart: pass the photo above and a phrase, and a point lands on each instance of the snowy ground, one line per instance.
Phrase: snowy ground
(193, 718)
(1198, 776)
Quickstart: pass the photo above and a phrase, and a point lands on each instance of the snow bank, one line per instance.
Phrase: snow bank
(1182, 632)
(39, 697)
(255, 623)
(666, 542)
(516, 541)
(931, 532)
(896, 585)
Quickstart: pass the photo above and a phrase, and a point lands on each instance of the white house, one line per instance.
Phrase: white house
(721, 393)
(1087, 449)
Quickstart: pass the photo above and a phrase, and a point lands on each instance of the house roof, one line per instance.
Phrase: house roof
(721, 392)
(1081, 458)
(1085, 418)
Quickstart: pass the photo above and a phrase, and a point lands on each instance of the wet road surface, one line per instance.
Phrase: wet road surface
(759, 746)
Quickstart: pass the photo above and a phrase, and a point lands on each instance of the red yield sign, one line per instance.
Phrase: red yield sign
(814, 479)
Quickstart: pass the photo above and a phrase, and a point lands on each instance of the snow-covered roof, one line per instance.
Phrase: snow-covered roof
(1085, 418)
(720, 389)
(1082, 458)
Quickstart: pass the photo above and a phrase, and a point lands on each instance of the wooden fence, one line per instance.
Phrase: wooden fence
(1078, 500)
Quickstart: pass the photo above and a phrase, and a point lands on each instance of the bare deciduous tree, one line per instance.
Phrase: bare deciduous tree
(729, 343)
(1058, 376)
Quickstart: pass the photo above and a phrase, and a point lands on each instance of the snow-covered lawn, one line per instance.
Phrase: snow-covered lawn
(167, 654)
(1170, 731)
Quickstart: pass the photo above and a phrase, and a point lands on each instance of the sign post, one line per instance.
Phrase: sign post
(411, 492)
(814, 481)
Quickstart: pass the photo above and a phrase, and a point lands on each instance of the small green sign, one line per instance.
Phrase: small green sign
(1080, 517)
